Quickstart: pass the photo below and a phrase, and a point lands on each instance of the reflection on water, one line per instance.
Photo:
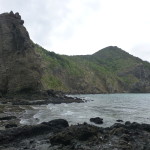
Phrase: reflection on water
(110, 107)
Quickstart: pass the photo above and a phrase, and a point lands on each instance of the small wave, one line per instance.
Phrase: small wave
(24, 121)
(67, 113)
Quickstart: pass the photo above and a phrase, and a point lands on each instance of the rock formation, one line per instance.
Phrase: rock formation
(19, 64)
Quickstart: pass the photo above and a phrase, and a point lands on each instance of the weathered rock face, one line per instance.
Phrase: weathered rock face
(142, 74)
(19, 64)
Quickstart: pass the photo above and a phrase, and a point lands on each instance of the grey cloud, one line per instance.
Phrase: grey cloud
(44, 18)
(40, 16)
(142, 51)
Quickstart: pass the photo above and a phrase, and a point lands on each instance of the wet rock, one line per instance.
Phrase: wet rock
(22, 132)
(146, 127)
(30, 131)
(10, 125)
(117, 125)
(119, 120)
(117, 137)
(119, 131)
(8, 117)
(135, 126)
(77, 137)
(97, 120)
(127, 123)
(41, 99)
(59, 123)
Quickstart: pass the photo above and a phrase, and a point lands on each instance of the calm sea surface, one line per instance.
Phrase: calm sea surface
(110, 107)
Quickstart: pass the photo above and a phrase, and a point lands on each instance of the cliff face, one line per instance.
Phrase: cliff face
(19, 64)
(141, 73)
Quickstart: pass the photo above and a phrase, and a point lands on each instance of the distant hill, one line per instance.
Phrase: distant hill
(110, 70)
(26, 67)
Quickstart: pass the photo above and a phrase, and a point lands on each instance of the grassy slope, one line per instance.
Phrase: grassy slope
(108, 70)
(124, 65)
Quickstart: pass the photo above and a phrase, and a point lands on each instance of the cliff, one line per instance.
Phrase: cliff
(19, 64)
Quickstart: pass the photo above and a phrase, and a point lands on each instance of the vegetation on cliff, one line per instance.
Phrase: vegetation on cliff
(109, 70)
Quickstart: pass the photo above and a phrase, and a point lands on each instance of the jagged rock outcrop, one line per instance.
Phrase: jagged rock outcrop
(19, 64)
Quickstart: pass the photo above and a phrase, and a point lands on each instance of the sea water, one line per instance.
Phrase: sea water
(110, 107)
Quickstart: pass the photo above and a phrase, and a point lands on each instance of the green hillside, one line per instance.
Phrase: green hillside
(109, 70)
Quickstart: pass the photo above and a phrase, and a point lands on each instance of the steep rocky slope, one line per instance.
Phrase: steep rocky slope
(19, 64)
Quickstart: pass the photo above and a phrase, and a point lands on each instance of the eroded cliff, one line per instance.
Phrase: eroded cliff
(19, 64)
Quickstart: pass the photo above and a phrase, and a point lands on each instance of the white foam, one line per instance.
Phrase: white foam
(67, 113)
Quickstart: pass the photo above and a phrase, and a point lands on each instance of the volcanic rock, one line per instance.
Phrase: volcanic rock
(10, 125)
(97, 120)
(20, 69)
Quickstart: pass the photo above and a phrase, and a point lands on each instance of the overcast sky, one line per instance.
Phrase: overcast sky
(75, 27)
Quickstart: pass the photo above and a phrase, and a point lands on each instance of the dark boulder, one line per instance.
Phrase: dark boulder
(97, 120)
(57, 123)
(119, 120)
(10, 125)
(127, 123)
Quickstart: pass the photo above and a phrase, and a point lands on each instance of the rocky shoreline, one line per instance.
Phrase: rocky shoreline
(39, 98)
(12, 109)
(57, 134)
